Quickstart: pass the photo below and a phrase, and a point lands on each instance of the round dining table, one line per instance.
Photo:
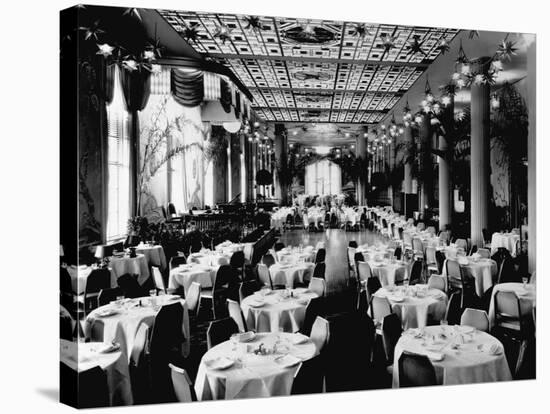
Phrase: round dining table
(81, 357)
(415, 305)
(288, 274)
(276, 310)
(507, 240)
(389, 271)
(483, 271)
(79, 277)
(233, 369)
(459, 354)
(132, 265)
(120, 321)
(209, 258)
(184, 275)
(527, 296)
(154, 254)
(295, 255)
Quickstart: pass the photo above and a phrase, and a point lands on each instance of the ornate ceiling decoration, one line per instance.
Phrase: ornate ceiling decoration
(315, 70)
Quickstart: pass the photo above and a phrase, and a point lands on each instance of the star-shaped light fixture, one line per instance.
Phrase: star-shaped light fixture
(253, 22)
(415, 46)
(92, 31)
(506, 50)
(360, 30)
(105, 49)
(443, 46)
(388, 42)
(223, 33)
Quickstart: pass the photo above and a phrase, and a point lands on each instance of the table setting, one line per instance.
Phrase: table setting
(415, 304)
(132, 263)
(508, 240)
(154, 254)
(252, 365)
(209, 258)
(120, 320)
(108, 356)
(525, 292)
(384, 264)
(459, 354)
(483, 270)
(280, 310)
(185, 274)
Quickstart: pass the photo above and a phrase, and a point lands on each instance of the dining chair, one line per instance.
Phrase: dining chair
(166, 344)
(415, 371)
(98, 279)
(268, 260)
(462, 243)
(437, 282)
(315, 307)
(454, 309)
(440, 259)
(237, 262)
(431, 230)
(159, 281)
(109, 295)
(130, 286)
(454, 275)
(418, 247)
(235, 312)
(84, 389)
(220, 331)
(484, 253)
(373, 284)
(319, 270)
(319, 333)
(351, 261)
(475, 318)
(320, 256)
(431, 260)
(248, 288)
(507, 272)
(182, 384)
(318, 286)
(380, 308)
(416, 273)
(175, 261)
(391, 332)
(309, 378)
(473, 250)
(193, 298)
(364, 271)
(508, 315)
(264, 276)
(398, 252)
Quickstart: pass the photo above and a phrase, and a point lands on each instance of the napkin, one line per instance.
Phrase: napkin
(434, 356)
(493, 348)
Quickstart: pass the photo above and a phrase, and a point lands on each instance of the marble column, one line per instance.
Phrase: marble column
(219, 170)
(361, 152)
(479, 154)
(281, 190)
(532, 156)
(425, 198)
(445, 193)
(235, 172)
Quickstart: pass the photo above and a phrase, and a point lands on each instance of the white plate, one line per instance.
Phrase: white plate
(466, 329)
(299, 339)
(257, 304)
(219, 363)
(246, 336)
(107, 348)
(396, 298)
(107, 312)
(288, 360)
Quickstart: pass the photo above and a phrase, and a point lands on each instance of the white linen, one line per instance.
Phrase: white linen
(278, 314)
(251, 375)
(132, 265)
(123, 326)
(185, 275)
(84, 356)
(209, 258)
(154, 254)
(484, 272)
(288, 274)
(527, 297)
(470, 363)
(506, 240)
(412, 309)
(79, 277)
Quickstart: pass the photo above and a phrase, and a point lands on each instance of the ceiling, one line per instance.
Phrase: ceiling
(321, 71)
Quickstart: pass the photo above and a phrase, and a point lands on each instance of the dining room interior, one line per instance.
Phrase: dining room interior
(257, 206)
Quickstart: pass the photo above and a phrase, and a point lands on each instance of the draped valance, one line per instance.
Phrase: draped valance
(187, 87)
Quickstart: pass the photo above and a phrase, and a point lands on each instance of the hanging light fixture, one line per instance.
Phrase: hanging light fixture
(495, 102)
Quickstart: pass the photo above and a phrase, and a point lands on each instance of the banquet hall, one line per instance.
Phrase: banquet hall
(277, 206)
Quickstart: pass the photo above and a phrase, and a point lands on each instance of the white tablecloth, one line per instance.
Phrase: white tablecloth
(132, 265)
(277, 314)
(79, 278)
(227, 248)
(294, 255)
(465, 365)
(289, 274)
(506, 240)
(251, 375)
(413, 310)
(527, 296)
(84, 356)
(209, 258)
(389, 272)
(484, 272)
(154, 255)
(123, 326)
(186, 274)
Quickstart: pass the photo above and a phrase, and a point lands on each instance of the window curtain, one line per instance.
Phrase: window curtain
(237, 104)
(187, 87)
(323, 178)
(225, 96)
(136, 86)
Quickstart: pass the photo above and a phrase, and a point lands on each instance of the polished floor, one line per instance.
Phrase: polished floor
(336, 243)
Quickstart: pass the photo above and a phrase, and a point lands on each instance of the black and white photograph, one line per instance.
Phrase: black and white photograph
(257, 206)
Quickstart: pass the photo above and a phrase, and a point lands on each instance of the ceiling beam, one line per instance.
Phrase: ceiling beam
(321, 91)
(286, 108)
(311, 59)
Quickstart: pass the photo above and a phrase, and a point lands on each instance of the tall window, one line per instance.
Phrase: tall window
(118, 198)
(322, 178)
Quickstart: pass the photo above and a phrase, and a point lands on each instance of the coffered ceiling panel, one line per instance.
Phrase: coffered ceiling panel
(306, 70)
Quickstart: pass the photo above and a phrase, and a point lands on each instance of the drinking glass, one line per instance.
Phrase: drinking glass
(153, 292)
(406, 283)
(524, 280)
